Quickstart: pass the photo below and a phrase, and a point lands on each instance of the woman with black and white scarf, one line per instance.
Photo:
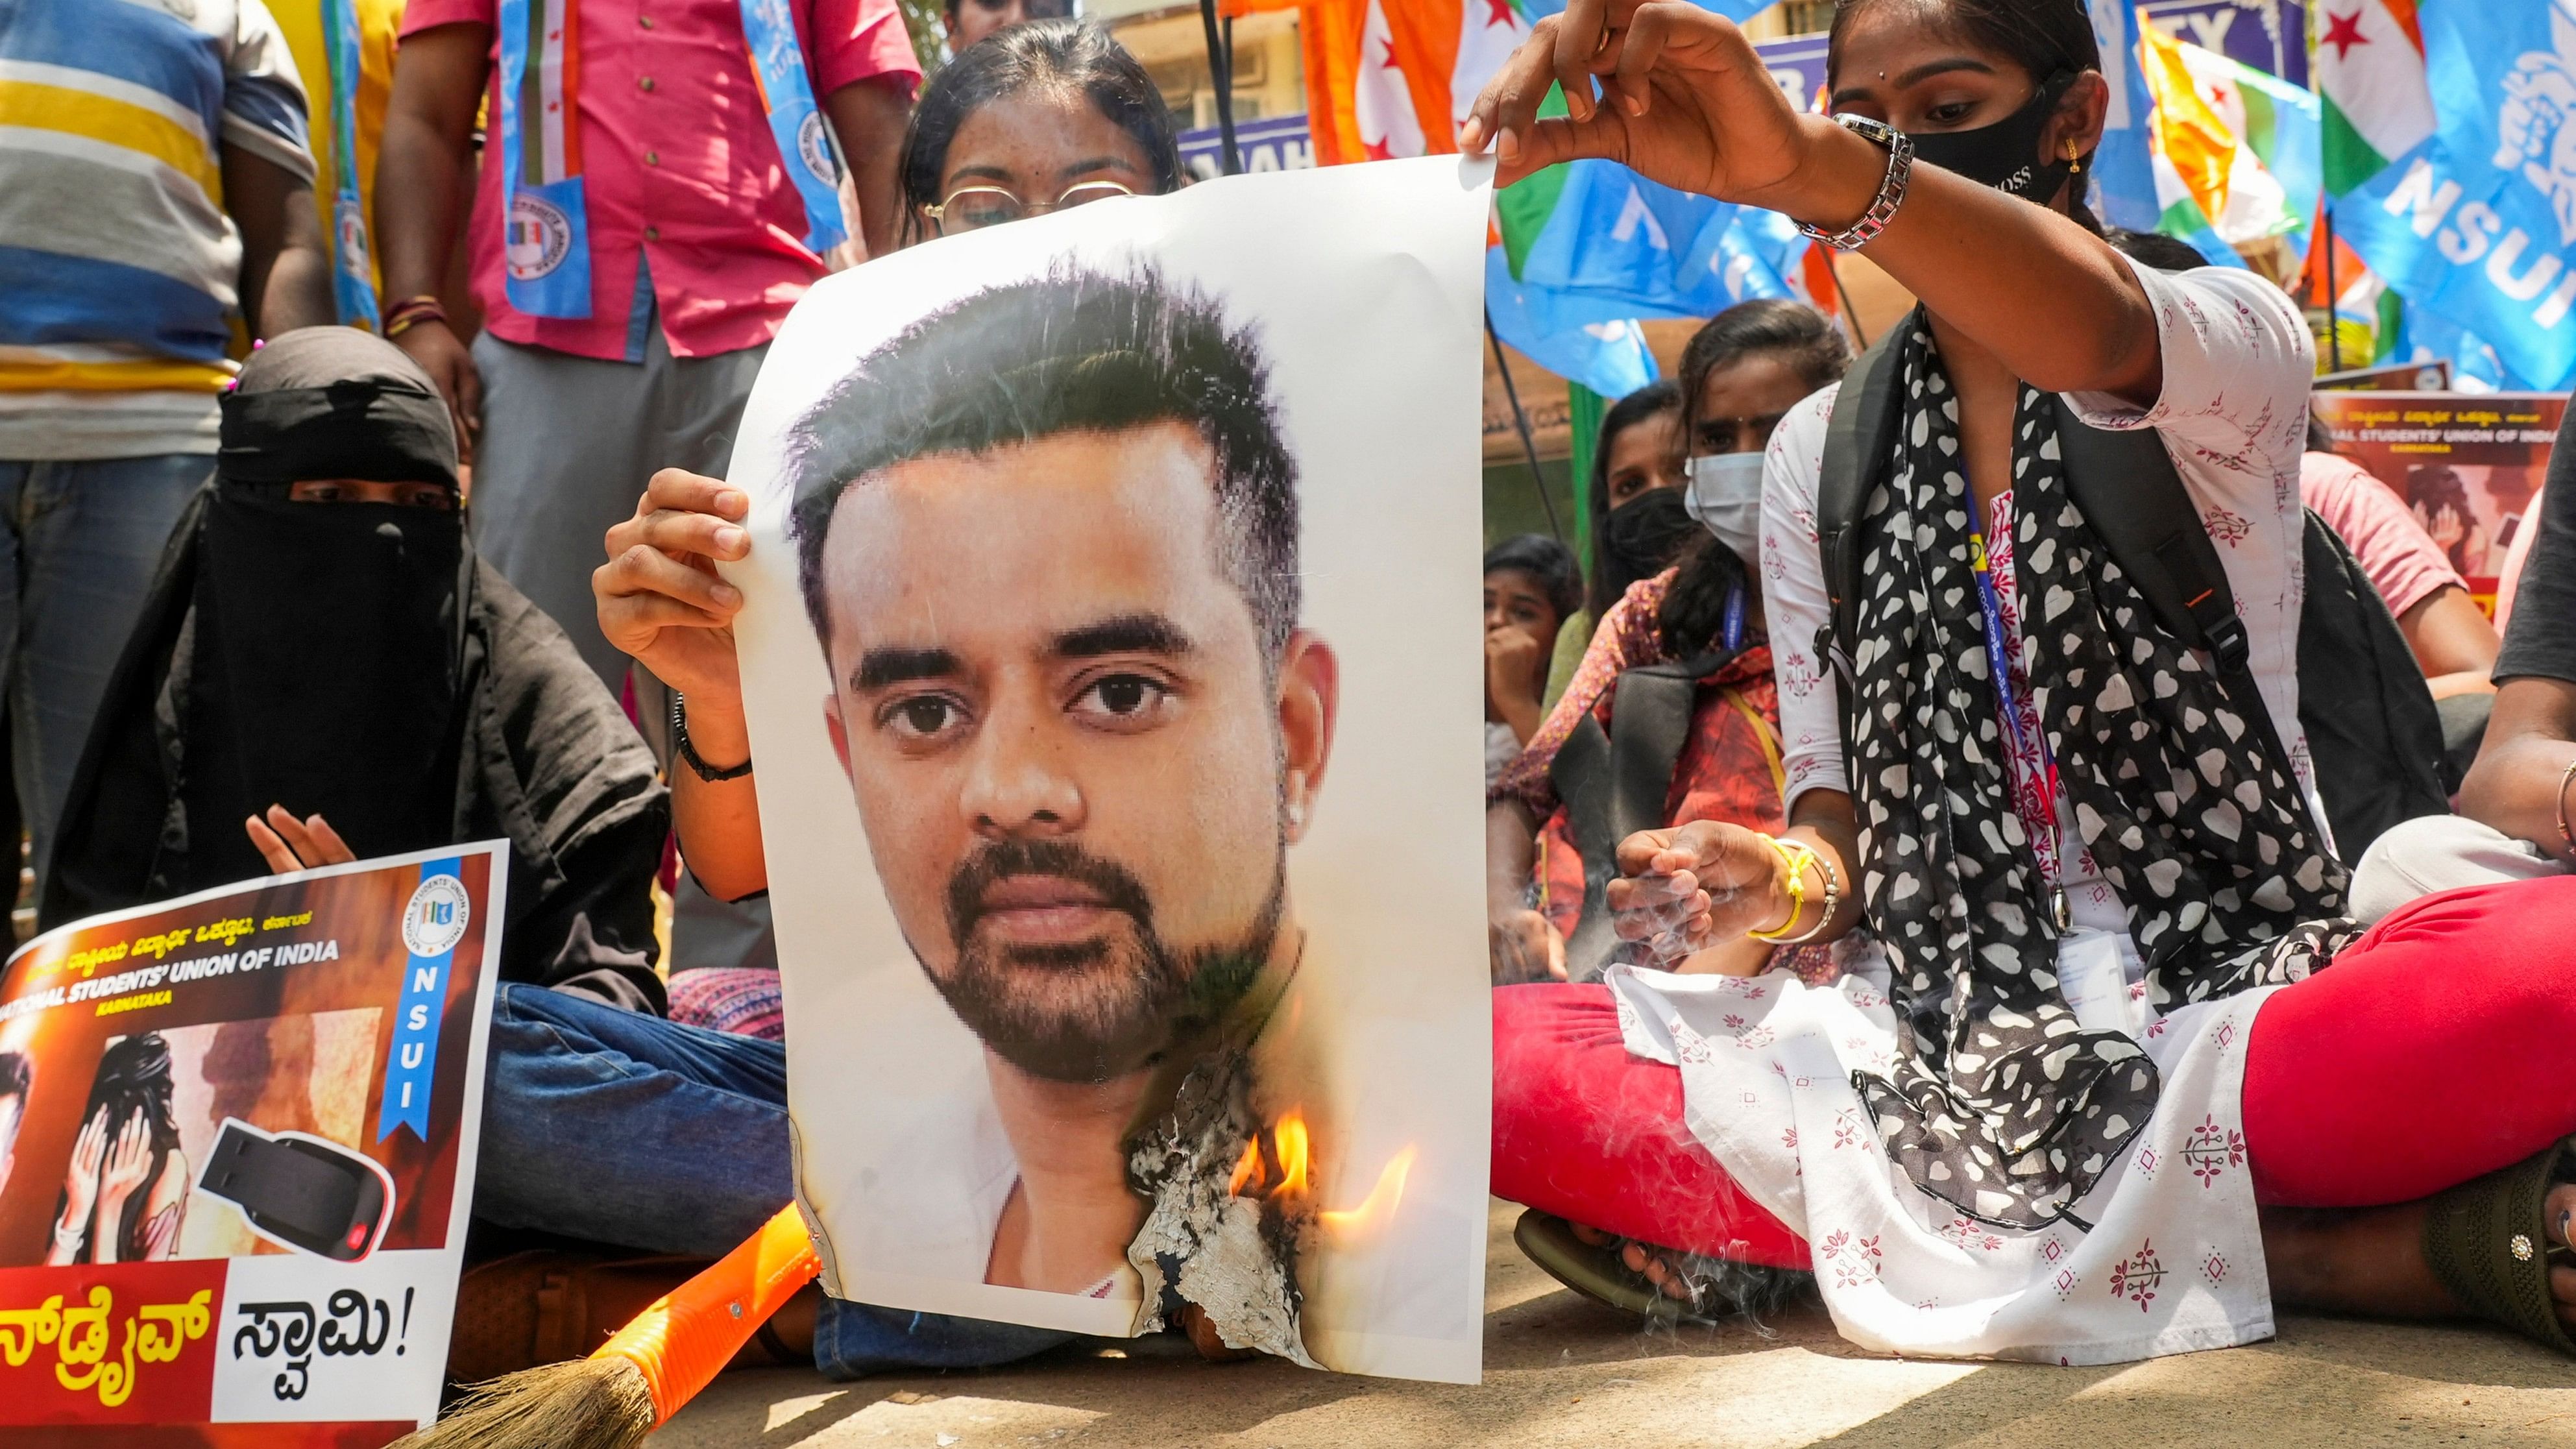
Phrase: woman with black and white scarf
(2087, 1092)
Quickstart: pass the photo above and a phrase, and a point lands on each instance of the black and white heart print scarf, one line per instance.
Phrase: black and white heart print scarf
(1999, 1104)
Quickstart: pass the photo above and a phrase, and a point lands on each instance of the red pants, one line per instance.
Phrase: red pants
(2441, 1046)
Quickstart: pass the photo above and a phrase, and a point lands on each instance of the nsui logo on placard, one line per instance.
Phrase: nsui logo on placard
(435, 919)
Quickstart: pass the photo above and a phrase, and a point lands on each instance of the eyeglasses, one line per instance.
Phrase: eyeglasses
(970, 208)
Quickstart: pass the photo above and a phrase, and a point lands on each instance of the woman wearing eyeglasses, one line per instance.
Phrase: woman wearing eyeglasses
(1042, 117)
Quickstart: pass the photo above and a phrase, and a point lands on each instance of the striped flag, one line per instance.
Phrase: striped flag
(2369, 70)
(2192, 150)
(2278, 177)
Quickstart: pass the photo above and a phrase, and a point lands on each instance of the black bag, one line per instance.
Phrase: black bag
(1614, 783)
(2373, 735)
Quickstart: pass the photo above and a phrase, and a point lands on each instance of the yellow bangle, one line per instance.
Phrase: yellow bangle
(1795, 855)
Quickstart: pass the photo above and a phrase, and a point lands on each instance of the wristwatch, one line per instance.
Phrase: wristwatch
(680, 746)
(1891, 188)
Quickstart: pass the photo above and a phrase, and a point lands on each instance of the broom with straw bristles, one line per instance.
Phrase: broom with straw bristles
(650, 1369)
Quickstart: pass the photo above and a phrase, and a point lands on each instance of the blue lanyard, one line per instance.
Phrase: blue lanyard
(1735, 618)
(1999, 666)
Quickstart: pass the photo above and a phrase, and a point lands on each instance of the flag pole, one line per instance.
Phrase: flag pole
(1520, 420)
(2334, 328)
(1221, 69)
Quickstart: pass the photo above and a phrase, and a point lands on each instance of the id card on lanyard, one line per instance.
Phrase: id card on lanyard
(2090, 972)
(2044, 780)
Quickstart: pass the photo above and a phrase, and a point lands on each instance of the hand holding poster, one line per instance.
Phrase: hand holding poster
(237, 1138)
(1105, 665)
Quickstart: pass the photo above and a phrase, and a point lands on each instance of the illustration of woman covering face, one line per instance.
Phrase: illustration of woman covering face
(2441, 503)
(127, 1187)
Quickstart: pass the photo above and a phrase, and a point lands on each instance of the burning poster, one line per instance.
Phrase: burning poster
(2466, 464)
(1110, 650)
(237, 1139)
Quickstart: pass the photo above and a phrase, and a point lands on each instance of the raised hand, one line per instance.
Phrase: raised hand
(289, 844)
(1684, 101)
(1515, 677)
(1695, 886)
(660, 598)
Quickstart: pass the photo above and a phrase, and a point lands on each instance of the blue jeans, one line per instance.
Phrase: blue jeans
(78, 544)
(616, 1127)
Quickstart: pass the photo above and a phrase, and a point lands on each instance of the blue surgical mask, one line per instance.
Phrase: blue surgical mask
(1725, 495)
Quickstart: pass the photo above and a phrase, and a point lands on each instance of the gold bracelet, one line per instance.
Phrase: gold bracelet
(1794, 854)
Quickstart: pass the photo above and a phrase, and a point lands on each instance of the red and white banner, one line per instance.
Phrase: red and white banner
(237, 1139)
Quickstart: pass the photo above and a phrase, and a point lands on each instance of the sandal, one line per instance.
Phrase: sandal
(1596, 1270)
(2487, 1240)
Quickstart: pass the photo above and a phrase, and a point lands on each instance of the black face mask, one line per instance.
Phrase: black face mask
(324, 674)
(2004, 155)
(1646, 535)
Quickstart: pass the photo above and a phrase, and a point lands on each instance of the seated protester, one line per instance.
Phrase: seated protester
(2517, 817)
(1637, 454)
(299, 690)
(2447, 632)
(684, 1148)
(1740, 373)
(1531, 588)
(2517, 555)
(2113, 1070)
(2393, 662)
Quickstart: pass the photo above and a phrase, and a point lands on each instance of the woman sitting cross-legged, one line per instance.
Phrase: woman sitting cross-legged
(2110, 1072)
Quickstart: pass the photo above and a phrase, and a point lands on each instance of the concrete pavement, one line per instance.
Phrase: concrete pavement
(1560, 1371)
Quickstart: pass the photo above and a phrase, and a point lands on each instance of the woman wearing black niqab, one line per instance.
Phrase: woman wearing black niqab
(321, 637)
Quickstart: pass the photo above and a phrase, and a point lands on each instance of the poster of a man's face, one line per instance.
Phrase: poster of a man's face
(1103, 545)
(1058, 598)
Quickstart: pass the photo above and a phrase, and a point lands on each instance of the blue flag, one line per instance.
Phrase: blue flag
(1592, 341)
(2476, 224)
(2124, 177)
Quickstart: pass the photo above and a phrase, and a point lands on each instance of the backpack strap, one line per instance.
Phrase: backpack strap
(1860, 437)
(2125, 484)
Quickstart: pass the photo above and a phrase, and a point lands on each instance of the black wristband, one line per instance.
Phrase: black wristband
(680, 746)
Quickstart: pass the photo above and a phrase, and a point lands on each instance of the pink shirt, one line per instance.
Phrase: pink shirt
(2400, 558)
(680, 168)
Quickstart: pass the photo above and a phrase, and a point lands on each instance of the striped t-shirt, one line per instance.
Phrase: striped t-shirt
(117, 259)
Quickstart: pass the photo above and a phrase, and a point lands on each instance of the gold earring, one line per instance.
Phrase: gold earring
(2074, 159)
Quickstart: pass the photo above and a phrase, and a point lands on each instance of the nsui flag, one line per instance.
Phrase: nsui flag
(2450, 141)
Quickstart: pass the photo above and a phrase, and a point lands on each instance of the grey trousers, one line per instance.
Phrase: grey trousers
(566, 447)
(2439, 853)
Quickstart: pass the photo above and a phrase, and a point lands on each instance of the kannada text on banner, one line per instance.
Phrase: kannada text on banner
(237, 1138)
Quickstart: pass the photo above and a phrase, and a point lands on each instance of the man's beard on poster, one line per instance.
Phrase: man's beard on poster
(1137, 995)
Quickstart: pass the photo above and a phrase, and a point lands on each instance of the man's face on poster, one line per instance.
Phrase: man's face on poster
(1077, 761)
